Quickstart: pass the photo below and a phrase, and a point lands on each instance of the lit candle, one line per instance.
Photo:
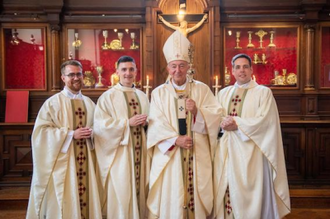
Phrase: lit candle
(147, 80)
(112, 80)
(216, 81)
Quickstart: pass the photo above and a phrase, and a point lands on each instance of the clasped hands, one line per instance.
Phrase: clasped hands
(229, 124)
(140, 119)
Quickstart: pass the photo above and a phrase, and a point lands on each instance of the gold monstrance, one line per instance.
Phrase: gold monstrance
(261, 34)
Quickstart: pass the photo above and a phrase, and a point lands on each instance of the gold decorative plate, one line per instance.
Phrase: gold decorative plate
(291, 78)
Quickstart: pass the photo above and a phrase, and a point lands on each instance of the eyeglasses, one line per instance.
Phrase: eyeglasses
(73, 75)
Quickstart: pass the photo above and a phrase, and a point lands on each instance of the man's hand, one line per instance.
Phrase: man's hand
(140, 119)
(191, 106)
(184, 141)
(83, 132)
(229, 124)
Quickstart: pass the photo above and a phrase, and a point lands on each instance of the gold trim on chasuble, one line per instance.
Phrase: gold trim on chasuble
(234, 109)
(80, 151)
(134, 108)
(187, 158)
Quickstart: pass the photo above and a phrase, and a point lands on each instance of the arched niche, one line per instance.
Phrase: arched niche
(200, 38)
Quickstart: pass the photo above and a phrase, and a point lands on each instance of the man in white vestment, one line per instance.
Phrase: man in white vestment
(181, 171)
(249, 166)
(64, 183)
(120, 145)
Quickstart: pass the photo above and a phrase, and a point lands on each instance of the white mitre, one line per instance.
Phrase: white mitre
(176, 47)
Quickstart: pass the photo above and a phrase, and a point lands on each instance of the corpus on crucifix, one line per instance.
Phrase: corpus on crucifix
(183, 25)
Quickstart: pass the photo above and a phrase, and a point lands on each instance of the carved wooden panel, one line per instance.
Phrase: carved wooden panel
(105, 3)
(323, 105)
(15, 156)
(311, 104)
(294, 151)
(321, 161)
(288, 105)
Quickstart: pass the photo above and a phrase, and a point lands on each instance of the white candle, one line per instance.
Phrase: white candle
(112, 80)
(147, 80)
(216, 81)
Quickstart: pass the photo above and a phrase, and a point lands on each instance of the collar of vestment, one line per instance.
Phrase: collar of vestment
(247, 85)
(125, 89)
(68, 93)
(173, 88)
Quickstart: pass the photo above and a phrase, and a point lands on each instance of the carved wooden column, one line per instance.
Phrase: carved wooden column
(310, 55)
(215, 42)
(55, 58)
(149, 57)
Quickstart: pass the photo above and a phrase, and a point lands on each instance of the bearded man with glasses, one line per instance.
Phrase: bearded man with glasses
(64, 183)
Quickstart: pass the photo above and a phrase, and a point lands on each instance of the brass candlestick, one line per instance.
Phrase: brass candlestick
(238, 35)
(261, 34)
(14, 40)
(227, 76)
(216, 86)
(257, 60)
(284, 71)
(250, 45)
(147, 87)
(271, 43)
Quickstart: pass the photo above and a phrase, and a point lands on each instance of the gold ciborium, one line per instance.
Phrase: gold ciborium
(99, 70)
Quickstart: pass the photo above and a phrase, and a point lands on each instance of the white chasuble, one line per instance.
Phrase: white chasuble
(167, 195)
(121, 152)
(57, 190)
(252, 167)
